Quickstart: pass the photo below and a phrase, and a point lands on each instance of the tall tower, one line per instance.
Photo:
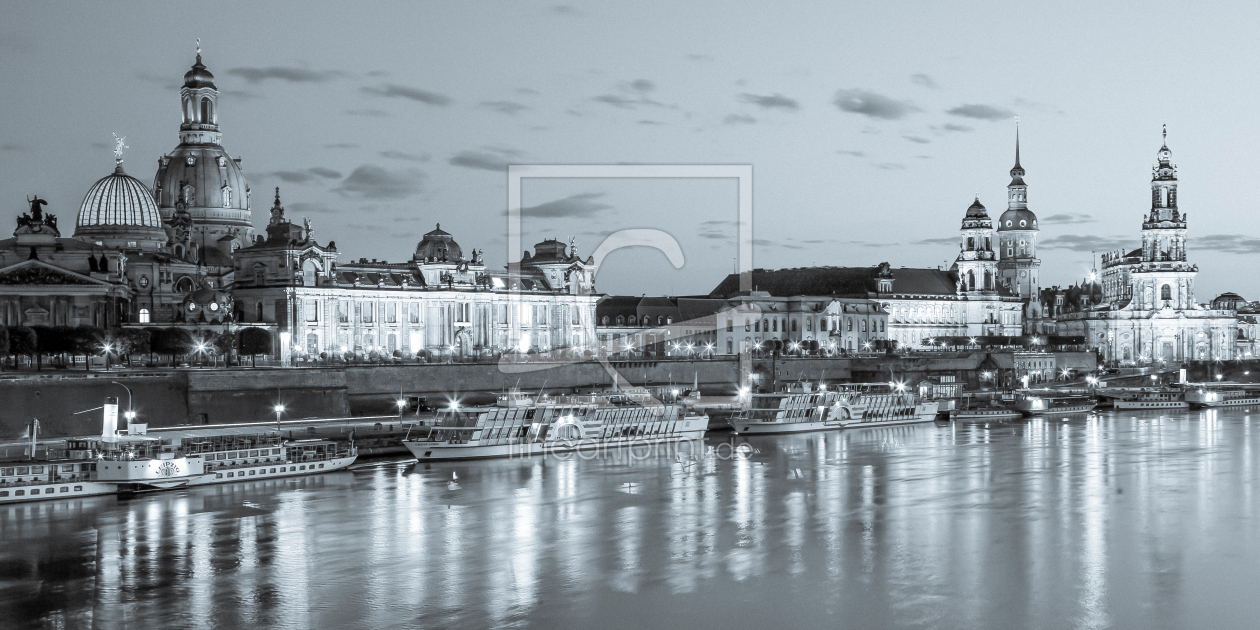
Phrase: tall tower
(976, 263)
(199, 179)
(1163, 278)
(1018, 265)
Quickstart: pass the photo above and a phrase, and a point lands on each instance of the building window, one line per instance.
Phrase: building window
(730, 324)
(863, 326)
(794, 325)
(343, 312)
(413, 313)
(207, 111)
(776, 324)
(311, 310)
(1166, 293)
(730, 346)
(391, 313)
(366, 312)
(848, 324)
(747, 326)
(881, 325)
(259, 311)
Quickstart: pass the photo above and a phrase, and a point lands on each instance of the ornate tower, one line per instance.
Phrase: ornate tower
(1017, 241)
(199, 179)
(977, 263)
(1162, 278)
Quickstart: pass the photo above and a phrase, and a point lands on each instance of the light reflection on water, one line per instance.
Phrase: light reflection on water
(1112, 520)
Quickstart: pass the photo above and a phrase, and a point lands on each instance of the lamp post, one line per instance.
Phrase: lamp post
(279, 409)
(402, 404)
(130, 414)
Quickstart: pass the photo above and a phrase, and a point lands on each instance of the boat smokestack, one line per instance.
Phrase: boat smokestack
(109, 427)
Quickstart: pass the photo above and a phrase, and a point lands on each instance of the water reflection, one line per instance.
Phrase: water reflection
(1137, 520)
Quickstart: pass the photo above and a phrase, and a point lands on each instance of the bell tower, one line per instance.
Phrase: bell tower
(200, 99)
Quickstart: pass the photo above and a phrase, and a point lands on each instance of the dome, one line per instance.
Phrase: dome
(211, 185)
(1017, 219)
(977, 211)
(198, 76)
(438, 245)
(119, 207)
(1228, 301)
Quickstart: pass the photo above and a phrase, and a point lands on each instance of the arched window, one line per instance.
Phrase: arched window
(863, 325)
(881, 325)
(1166, 293)
(776, 324)
(971, 280)
(747, 325)
(757, 326)
(794, 325)
(621, 320)
(184, 285)
(259, 311)
(971, 243)
(207, 110)
(144, 316)
(988, 280)
(848, 323)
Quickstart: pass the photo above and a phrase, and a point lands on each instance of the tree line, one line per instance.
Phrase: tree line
(61, 345)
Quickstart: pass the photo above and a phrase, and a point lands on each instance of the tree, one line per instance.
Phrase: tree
(47, 341)
(84, 340)
(255, 341)
(22, 342)
(172, 342)
(4, 345)
(154, 332)
(133, 341)
(223, 343)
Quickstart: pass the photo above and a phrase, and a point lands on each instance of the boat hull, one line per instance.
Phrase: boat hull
(50, 491)
(442, 451)
(1237, 402)
(1054, 411)
(995, 414)
(1150, 404)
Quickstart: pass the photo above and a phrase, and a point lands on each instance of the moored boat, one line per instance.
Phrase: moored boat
(1222, 394)
(800, 407)
(1146, 398)
(1048, 403)
(519, 426)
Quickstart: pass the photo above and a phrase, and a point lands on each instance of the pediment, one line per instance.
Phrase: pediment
(37, 272)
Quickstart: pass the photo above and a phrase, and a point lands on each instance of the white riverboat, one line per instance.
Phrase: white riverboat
(978, 409)
(1049, 402)
(1222, 394)
(1146, 397)
(801, 407)
(139, 463)
(522, 426)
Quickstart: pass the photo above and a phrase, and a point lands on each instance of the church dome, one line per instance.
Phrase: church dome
(198, 76)
(1017, 219)
(438, 245)
(119, 208)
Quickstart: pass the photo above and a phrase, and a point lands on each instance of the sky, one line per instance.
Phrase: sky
(870, 127)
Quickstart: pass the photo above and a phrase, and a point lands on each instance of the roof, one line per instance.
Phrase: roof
(198, 76)
(841, 281)
(118, 199)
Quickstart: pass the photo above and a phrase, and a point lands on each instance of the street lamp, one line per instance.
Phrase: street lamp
(279, 409)
(402, 404)
(130, 414)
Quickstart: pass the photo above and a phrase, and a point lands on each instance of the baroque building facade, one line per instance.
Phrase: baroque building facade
(1148, 312)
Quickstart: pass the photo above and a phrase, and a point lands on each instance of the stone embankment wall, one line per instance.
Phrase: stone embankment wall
(164, 398)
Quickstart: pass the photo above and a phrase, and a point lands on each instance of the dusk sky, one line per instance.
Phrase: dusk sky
(870, 126)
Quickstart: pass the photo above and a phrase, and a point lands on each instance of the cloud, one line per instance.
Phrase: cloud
(1065, 218)
(853, 153)
(391, 90)
(564, 9)
(341, 145)
(917, 139)
(491, 159)
(739, 119)
(378, 73)
(774, 101)
(717, 229)
(889, 166)
(633, 94)
(945, 240)
(765, 242)
(528, 91)
(373, 182)
(872, 105)
(511, 108)
(1229, 243)
(409, 157)
(370, 113)
(981, 112)
(959, 128)
(303, 176)
(326, 173)
(306, 207)
(17, 147)
(924, 80)
(282, 73)
(581, 206)
(1086, 243)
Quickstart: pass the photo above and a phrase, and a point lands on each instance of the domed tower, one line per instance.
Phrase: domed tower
(438, 246)
(199, 177)
(1018, 265)
(977, 263)
(118, 212)
(1164, 230)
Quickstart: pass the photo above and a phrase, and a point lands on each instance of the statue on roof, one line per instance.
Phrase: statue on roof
(118, 147)
(37, 212)
(306, 226)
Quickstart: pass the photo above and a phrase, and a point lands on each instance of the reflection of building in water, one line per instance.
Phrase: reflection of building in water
(1148, 312)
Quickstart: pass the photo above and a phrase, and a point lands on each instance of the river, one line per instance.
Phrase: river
(1107, 520)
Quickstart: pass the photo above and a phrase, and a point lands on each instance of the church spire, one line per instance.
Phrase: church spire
(1017, 171)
